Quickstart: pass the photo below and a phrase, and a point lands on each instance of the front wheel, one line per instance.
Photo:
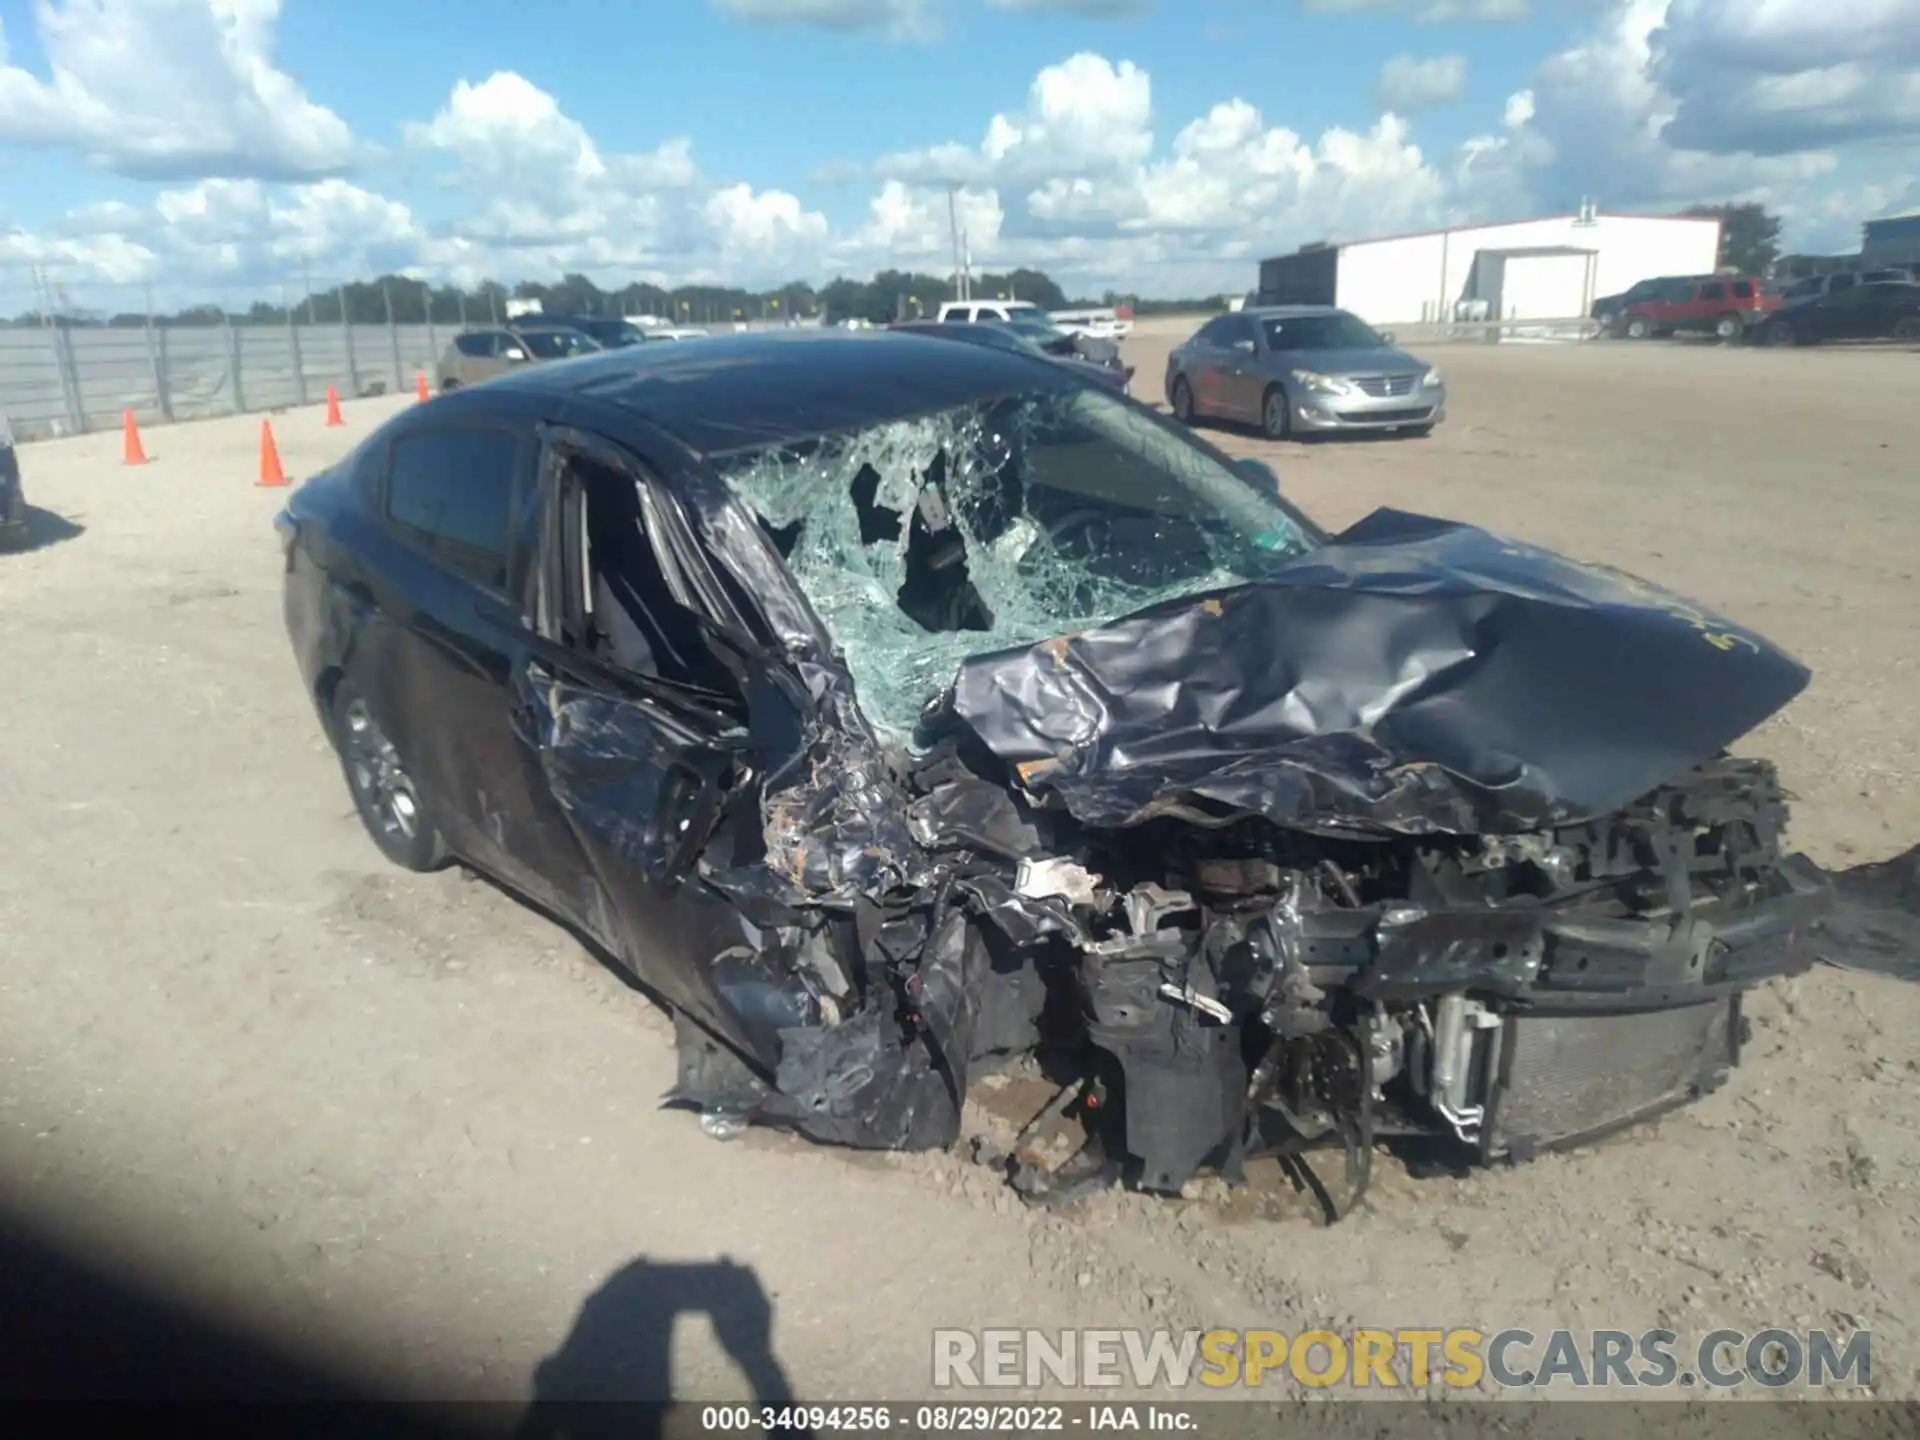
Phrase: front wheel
(383, 792)
(1182, 401)
(1638, 329)
(1276, 420)
(1781, 333)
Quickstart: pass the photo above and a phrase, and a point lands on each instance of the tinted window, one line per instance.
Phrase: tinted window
(555, 344)
(1216, 332)
(1742, 290)
(1713, 291)
(479, 345)
(454, 488)
(1338, 331)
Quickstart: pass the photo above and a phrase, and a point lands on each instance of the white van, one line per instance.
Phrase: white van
(1107, 324)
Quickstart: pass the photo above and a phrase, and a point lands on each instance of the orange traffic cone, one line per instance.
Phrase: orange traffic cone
(333, 406)
(270, 471)
(132, 451)
(422, 387)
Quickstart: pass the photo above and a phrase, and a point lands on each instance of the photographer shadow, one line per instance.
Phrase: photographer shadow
(613, 1375)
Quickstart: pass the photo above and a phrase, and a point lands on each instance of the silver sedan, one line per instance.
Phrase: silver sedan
(1302, 369)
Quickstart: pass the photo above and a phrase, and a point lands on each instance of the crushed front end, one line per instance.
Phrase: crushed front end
(1409, 831)
(1256, 990)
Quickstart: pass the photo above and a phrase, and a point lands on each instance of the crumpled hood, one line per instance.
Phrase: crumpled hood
(1411, 676)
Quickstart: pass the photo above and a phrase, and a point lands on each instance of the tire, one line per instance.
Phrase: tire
(1908, 329)
(1781, 333)
(388, 802)
(447, 387)
(1729, 327)
(1181, 398)
(1276, 416)
(1638, 329)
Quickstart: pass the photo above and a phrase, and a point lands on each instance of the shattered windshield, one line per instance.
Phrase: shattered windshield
(923, 542)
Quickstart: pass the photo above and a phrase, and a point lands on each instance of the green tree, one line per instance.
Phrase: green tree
(1749, 235)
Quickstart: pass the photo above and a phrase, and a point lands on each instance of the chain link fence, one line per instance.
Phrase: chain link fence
(76, 354)
(87, 352)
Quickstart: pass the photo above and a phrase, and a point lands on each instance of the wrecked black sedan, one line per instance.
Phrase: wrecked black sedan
(892, 707)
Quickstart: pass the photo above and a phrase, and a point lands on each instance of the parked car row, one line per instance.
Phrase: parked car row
(1727, 306)
(1856, 305)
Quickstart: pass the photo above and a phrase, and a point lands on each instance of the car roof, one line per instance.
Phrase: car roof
(740, 391)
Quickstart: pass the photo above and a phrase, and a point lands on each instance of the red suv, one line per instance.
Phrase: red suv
(1727, 305)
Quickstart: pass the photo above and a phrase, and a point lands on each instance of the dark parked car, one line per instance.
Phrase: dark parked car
(609, 331)
(891, 706)
(1880, 311)
(1115, 376)
(13, 496)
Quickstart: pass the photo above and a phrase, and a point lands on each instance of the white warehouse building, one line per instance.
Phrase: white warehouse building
(1548, 269)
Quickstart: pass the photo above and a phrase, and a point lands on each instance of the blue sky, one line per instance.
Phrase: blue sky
(1142, 144)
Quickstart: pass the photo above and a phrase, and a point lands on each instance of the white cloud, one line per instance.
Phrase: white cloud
(1084, 178)
(1408, 84)
(167, 89)
(1093, 9)
(1085, 116)
(1432, 12)
(896, 19)
(1786, 75)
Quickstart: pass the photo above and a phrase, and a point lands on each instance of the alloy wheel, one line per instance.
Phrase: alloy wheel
(383, 785)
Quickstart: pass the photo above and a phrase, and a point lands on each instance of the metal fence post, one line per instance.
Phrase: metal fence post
(293, 352)
(233, 362)
(69, 378)
(299, 361)
(433, 340)
(393, 338)
(157, 362)
(346, 340)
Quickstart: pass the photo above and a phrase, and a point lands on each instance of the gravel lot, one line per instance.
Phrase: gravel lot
(409, 1125)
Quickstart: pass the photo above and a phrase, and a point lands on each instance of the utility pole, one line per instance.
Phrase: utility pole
(953, 231)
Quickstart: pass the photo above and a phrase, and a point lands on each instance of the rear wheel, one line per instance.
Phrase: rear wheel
(1729, 327)
(1638, 328)
(1276, 419)
(1182, 400)
(1780, 332)
(383, 792)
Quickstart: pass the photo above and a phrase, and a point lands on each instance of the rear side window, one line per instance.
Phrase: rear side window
(1712, 291)
(959, 315)
(1216, 332)
(453, 491)
(478, 346)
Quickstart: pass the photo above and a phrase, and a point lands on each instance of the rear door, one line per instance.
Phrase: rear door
(1707, 303)
(1207, 355)
(442, 632)
(1244, 381)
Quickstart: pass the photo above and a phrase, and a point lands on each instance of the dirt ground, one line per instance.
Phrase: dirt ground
(411, 1126)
